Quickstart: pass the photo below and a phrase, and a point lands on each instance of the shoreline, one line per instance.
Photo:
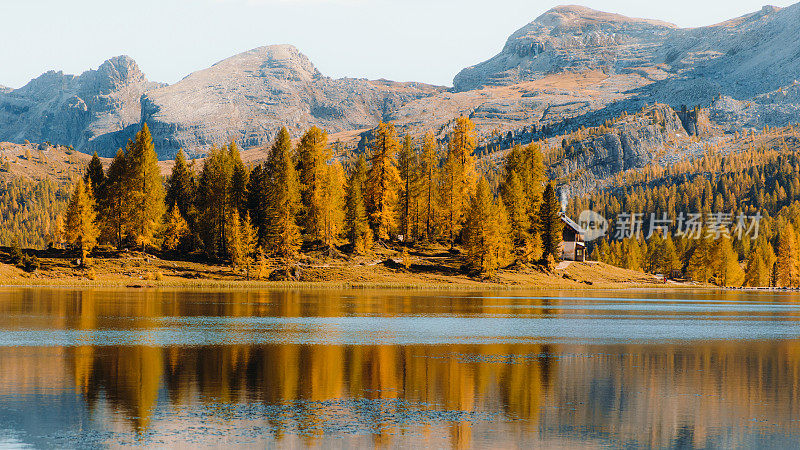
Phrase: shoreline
(325, 285)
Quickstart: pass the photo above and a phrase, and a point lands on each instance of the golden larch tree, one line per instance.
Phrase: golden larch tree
(383, 181)
(81, 228)
(460, 174)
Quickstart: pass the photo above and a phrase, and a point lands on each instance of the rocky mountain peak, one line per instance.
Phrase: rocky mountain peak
(567, 38)
(581, 17)
(120, 71)
(272, 61)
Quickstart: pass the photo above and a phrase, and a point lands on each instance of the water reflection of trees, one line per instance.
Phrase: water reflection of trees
(652, 395)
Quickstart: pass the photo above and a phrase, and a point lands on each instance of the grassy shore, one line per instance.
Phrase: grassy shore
(426, 269)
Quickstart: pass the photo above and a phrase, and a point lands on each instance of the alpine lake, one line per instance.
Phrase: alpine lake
(96, 367)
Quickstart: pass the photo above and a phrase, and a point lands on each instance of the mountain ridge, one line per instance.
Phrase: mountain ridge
(570, 63)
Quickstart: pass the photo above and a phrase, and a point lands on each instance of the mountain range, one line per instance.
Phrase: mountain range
(570, 65)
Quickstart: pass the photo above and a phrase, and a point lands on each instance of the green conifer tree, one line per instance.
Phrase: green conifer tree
(550, 219)
(116, 206)
(96, 177)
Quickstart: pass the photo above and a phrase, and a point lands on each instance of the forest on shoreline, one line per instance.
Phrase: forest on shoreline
(403, 193)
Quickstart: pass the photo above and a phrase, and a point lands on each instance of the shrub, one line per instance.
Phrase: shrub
(29, 263)
(16, 253)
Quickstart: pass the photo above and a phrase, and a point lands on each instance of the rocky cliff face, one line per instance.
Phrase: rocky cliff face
(776, 108)
(248, 98)
(90, 111)
(630, 143)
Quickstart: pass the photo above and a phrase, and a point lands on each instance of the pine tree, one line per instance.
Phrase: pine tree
(313, 153)
(283, 199)
(249, 242)
(95, 177)
(237, 197)
(729, 272)
(213, 202)
(405, 165)
(516, 202)
(787, 274)
(631, 254)
(757, 274)
(145, 188)
(81, 228)
(58, 232)
(550, 219)
(428, 186)
(182, 187)
(356, 222)
(235, 245)
(261, 265)
(460, 174)
(505, 244)
(333, 205)
(669, 257)
(699, 264)
(382, 181)
(174, 228)
(257, 188)
(481, 230)
(116, 206)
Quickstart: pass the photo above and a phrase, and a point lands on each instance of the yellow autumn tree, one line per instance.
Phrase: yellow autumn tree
(428, 187)
(356, 221)
(786, 265)
(331, 219)
(382, 181)
(174, 228)
(145, 189)
(460, 175)
(81, 228)
(482, 232)
(313, 154)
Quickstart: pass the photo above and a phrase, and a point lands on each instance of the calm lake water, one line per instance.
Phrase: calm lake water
(95, 367)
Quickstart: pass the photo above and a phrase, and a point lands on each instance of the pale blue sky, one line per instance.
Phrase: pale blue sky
(406, 40)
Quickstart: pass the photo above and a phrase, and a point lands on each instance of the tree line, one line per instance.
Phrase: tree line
(763, 178)
(305, 198)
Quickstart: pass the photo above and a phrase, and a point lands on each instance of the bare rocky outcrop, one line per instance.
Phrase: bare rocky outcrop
(777, 108)
(632, 142)
(90, 112)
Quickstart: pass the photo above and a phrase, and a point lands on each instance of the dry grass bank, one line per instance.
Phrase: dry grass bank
(432, 268)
